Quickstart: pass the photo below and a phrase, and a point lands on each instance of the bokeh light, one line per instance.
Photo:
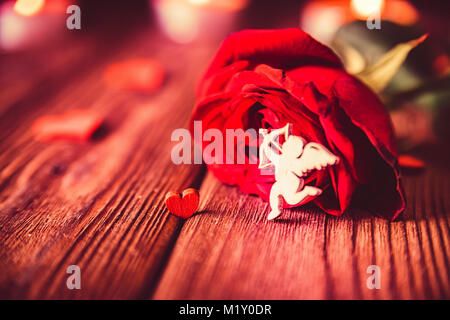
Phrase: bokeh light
(28, 7)
(366, 8)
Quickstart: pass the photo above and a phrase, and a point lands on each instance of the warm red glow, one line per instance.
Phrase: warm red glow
(401, 12)
(143, 75)
(442, 65)
(409, 162)
(28, 7)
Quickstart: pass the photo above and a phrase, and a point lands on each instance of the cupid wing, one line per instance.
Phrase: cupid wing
(264, 160)
(314, 157)
(266, 154)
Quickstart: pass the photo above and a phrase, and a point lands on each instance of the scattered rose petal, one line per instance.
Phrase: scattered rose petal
(75, 125)
(143, 75)
(183, 206)
(409, 162)
(442, 65)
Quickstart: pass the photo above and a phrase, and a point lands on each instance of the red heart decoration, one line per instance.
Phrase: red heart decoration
(185, 205)
(74, 125)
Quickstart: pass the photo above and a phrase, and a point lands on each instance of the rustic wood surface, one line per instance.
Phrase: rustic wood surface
(100, 205)
(230, 250)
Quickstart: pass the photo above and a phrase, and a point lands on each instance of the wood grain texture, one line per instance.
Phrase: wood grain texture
(230, 250)
(99, 205)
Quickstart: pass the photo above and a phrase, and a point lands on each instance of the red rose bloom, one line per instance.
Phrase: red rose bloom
(268, 78)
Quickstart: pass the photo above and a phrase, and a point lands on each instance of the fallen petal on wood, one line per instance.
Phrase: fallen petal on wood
(409, 162)
(183, 205)
(74, 125)
(143, 75)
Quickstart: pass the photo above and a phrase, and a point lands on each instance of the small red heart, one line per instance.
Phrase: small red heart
(185, 205)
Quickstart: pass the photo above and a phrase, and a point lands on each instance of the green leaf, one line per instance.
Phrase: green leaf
(378, 75)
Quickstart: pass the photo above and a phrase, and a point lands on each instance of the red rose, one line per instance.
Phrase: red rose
(268, 78)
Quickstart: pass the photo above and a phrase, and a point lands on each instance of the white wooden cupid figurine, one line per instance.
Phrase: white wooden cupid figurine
(293, 160)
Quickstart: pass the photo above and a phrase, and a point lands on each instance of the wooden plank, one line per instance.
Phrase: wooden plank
(230, 251)
(99, 205)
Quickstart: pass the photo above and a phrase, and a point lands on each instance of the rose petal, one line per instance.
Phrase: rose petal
(285, 48)
(366, 111)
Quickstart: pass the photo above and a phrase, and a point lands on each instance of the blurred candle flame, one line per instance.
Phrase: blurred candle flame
(28, 7)
(179, 19)
(12, 28)
(184, 21)
(28, 23)
(221, 5)
(323, 18)
(398, 11)
(199, 2)
(363, 9)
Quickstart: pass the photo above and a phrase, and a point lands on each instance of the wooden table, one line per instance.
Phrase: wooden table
(100, 205)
